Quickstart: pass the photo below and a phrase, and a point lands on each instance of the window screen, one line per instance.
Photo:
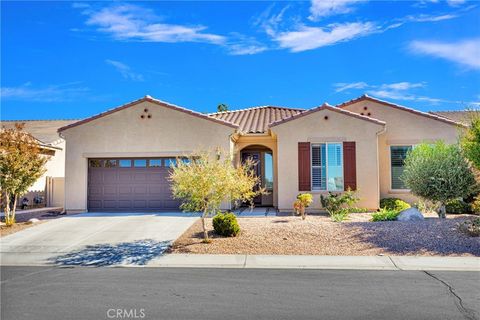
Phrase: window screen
(398, 154)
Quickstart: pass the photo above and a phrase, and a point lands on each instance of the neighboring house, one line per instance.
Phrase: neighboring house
(119, 160)
(463, 117)
(51, 185)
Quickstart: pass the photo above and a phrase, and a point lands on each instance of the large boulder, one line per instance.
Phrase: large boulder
(410, 214)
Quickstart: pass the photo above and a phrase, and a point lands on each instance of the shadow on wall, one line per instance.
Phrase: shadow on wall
(431, 236)
(133, 253)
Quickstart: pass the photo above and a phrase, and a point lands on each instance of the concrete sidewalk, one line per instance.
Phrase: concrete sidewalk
(318, 262)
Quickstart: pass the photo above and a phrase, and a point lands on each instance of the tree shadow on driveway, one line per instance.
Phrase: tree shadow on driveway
(139, 252)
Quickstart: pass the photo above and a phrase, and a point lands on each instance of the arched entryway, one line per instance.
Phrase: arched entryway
(264, 169)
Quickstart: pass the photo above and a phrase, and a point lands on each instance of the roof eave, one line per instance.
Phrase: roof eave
(400, 107)
(152, 100)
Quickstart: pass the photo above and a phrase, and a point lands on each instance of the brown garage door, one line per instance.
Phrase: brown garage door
(130, 185)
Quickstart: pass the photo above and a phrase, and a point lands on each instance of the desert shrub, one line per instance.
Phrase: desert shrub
(475, 205)
(457, 206)
(304, 200)
(438, 173)
(385, 215)
(471, 227)
(226, 224)
(393, 204)
(338, 205)
(470, 139)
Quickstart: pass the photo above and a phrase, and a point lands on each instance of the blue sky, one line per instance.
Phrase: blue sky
(65, 59)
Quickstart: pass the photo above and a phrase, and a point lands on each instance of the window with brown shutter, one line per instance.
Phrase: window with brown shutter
(349, 165)
(304, 172)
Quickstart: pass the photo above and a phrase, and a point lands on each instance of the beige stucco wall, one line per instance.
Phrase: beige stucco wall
(55, 167)
(123, 133)
(314, 128)
(402, 128)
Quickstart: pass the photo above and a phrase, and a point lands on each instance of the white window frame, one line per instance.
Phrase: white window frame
(326, 165)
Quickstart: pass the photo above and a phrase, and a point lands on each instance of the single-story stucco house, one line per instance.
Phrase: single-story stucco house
(119, 160)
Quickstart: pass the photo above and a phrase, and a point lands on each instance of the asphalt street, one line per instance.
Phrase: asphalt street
(183, 293)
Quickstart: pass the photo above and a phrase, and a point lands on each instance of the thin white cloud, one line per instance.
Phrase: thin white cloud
(347, 86)
(52, 93)
(324, 8)
(239, 49)
(131, 22)
(403, 91)
(125, 70)
(401, 86)
(430, 18)
(308, 38)
(465, 52)
(455, 3)
(80, 5)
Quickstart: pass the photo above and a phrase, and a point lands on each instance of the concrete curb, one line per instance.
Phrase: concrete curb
(318, 262)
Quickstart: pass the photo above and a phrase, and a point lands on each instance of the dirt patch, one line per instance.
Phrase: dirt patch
(317, 235)
(19, 226)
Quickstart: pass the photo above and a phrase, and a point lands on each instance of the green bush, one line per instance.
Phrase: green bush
(226, 224)
(393, 204)
(439, 173)
(457, 206)
(338, 204)
(385, 215)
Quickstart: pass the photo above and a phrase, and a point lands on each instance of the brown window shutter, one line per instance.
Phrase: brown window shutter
(304, 174)
(349, 165)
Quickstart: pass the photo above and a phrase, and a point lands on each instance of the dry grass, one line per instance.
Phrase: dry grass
(317, 235)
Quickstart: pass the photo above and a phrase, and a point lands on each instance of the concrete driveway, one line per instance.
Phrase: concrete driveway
(97, 239)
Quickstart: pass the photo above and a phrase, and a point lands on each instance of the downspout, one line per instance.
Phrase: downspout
(384, 129)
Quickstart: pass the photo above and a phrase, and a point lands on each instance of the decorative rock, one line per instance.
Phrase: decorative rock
(410, 214)
(32, 221)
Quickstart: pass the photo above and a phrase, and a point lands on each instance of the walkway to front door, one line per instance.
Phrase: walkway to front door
(255, 212)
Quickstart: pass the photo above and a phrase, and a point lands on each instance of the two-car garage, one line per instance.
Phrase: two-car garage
(135, 184)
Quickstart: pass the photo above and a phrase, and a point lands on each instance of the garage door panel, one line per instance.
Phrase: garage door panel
(140, 190)
(157, 177)
(132, 188)
(124, 189)
(110, 190)
(124, 204)
(124, 176)
(110, 204)
(109, 176)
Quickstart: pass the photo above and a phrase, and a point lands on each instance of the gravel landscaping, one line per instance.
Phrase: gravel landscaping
(317, 235)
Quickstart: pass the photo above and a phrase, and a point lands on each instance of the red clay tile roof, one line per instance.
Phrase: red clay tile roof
(152, 100)
(256, 119)
(332, 108)
(396, 106)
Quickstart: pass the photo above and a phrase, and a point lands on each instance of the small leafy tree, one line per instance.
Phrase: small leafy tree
(470, 139)
(438, 173)
(222, 107)
(21, 164)
(207, 179)
(304, 200)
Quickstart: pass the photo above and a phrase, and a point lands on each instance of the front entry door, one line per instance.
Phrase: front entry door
(255, 156)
